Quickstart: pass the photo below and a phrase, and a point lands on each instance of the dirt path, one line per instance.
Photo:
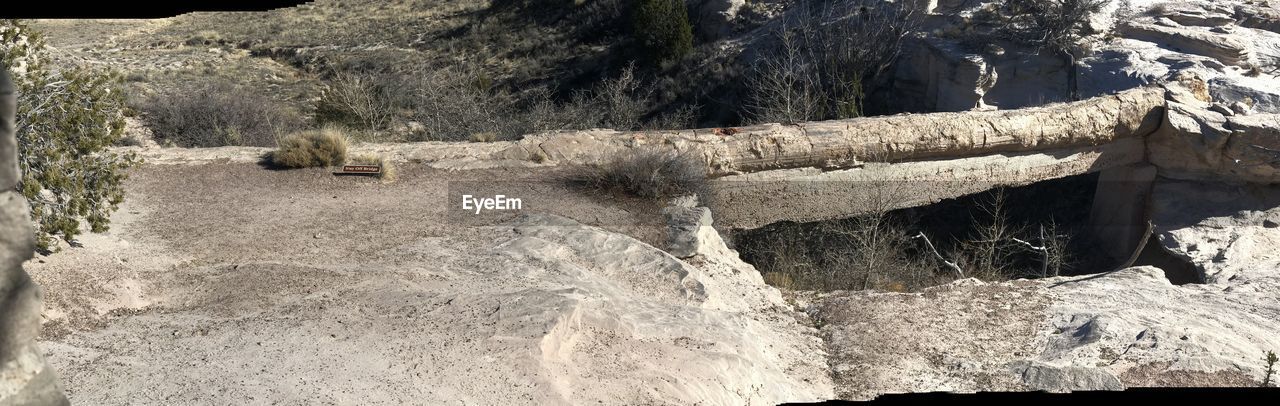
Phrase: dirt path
(229, 282)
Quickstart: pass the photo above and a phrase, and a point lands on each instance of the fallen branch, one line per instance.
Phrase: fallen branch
(1043, 249)
(954, 267)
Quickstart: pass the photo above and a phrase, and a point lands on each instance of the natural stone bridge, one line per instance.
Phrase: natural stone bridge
(838, 169)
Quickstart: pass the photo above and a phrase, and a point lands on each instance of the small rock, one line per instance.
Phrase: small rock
(1269, 223)
(1221, 109)
(1240, 108)
(1066, 379)
(685, 201)
(687, 229)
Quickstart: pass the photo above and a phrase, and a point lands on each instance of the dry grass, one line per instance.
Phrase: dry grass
(311, 148)
(388, 173)
(485, 136)
(653, 172)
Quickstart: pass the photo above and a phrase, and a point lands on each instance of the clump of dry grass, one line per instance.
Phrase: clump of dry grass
(648, 173)
(388, 170)
(484, 136)
(311, 148)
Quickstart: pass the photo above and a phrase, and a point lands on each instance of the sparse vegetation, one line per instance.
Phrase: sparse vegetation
(1270, 359)
(827, 52)
(453, 106)
(662, 28)
(64, 123)
(882, 250)
(653, 173)
(388, 169)
(1053, 26)
(311, 148)
(358, 101)
(871, 251)
(217, 114)
(206, 38)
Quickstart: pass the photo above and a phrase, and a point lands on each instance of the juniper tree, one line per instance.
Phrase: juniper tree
(65, 121)
(662, 28)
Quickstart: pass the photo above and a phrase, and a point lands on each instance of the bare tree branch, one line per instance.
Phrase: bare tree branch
(954, 267)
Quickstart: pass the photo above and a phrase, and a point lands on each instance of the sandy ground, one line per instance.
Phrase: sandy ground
(227, 283)
(236, 213)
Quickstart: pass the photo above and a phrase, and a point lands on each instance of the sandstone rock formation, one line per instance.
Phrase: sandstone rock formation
(545, 309)
(1200, 141)
(1130, 44)
(25, 378)
(1128, 328)
(1224, 48)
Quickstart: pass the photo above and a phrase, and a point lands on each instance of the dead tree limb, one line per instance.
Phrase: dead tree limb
(950, 264)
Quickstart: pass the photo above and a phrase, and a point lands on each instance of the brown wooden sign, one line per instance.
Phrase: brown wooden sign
(361, 169)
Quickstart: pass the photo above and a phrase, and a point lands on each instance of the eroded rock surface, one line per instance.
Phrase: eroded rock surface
(388, 302)
(25, 378)
(1099, 332)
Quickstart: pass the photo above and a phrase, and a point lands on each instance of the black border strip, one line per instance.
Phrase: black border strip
(62, 10)
(1138, 395)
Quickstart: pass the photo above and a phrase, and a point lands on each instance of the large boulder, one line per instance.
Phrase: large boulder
(1258, 95)
(1200, 143)
(25, 378)
(1228, 49)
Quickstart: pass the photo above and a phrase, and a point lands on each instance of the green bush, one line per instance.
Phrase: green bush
(662, 28)
(65, 121)
(311, 148)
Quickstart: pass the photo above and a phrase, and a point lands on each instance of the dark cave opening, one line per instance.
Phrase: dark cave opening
(887, 253)
(1179, 271)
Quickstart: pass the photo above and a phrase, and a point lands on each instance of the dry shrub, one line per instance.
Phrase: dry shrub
(648, 173)
(217, 114)
(779, 280)
(487, 136)
(358, 100)
(871, 251)
(311, 148)
(463, 104)
(388, 169)
(825, 52)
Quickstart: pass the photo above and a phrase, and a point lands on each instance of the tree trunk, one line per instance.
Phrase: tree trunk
(849, 143)
(1073, 88)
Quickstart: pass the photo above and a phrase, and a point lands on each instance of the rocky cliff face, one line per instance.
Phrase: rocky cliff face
(1234, 45)
(1125, 328)
(25, 378)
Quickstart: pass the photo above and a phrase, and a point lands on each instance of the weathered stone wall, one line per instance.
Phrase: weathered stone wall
(25, 378)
